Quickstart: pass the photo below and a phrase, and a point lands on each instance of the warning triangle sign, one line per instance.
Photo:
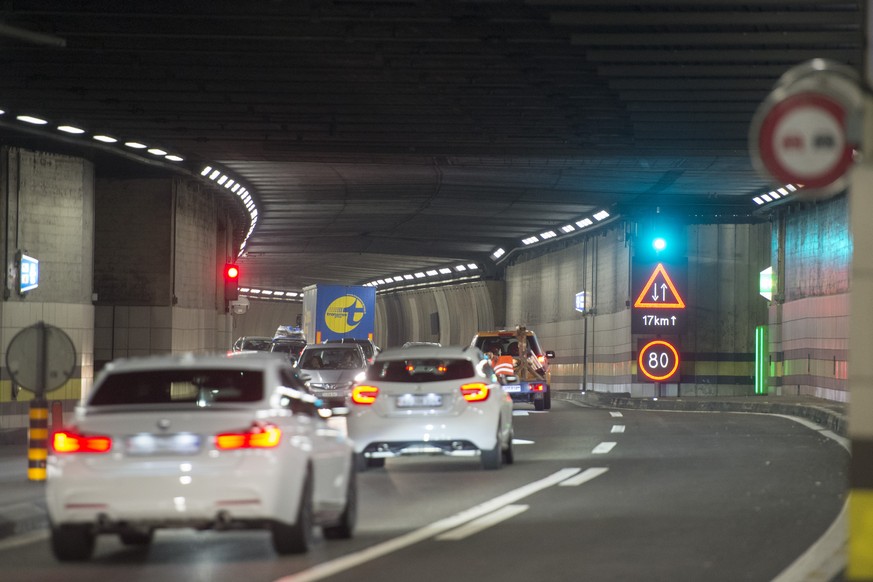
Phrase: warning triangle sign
(659, 292)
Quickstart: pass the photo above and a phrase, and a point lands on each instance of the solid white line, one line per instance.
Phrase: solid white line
(824, 559)
(584, 477)
(603, 448)
(349, 561)
(617, 428)
(614, 414)
(483, 522)
(520, 413)
(522, 442)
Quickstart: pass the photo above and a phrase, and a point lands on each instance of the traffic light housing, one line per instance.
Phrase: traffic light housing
(231, 282)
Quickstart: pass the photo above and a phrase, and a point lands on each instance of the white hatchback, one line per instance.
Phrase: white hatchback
(203, 442)
(431, 401)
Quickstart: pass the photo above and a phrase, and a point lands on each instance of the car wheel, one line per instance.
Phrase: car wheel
(296, 538)
(508, 455)
(492, 459)
(547, 400)
(345, 527)
(137, 538)
(72, 543)
(539, 404)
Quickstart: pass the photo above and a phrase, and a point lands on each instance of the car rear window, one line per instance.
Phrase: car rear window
(261, 345)
(202, 387)
(331, 359)
(506, 345)
(287, 347)
(421, 370)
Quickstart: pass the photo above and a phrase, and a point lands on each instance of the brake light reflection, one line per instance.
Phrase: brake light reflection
(476, 392)
(364, 394)
(67, 441)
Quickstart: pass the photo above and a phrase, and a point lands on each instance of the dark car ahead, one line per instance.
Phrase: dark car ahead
(287, 345)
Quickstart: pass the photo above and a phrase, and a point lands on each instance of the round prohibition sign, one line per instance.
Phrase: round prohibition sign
(658, 360)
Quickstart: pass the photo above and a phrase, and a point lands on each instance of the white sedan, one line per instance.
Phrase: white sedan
(203, 442)
(431, 401)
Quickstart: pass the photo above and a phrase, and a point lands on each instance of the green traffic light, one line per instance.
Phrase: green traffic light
(659, 244)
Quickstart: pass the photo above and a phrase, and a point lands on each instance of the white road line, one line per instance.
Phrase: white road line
(520, 413)
(349, 561)
(24, 539)
(584, 477)
(483, 522)
(617, 428)
(615, 414)
(603, 448)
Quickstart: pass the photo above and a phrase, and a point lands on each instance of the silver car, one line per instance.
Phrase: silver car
(332, 369)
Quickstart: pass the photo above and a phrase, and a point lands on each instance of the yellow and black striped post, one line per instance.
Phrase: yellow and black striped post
(37, 440)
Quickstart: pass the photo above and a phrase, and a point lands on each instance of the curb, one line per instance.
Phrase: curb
(831, 419)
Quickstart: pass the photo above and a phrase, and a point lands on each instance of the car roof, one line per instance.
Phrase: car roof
(250, 360)
(452, 352)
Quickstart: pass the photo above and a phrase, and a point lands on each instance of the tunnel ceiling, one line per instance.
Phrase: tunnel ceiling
(383, 138)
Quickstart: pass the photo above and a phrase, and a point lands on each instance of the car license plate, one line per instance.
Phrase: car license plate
(512, 388)
(419, 400)
(329, 393)
(163, 444)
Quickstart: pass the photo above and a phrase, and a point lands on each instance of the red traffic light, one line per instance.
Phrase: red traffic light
(231, 271)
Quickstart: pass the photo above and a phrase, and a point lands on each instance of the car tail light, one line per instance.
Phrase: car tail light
(537, 386)
(69, 441)
(476, 392)
(365, 395)
(261, 435)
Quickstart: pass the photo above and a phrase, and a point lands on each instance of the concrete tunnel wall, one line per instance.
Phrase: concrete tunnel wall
(158, 291)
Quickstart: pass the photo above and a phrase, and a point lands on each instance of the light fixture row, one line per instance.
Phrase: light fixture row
(573, 227)
(777, 194)
(440, 272)
(222, 179)
(270, 294)
(103, 138)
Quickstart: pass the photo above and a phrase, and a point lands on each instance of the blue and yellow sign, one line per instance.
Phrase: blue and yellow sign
(345, 311)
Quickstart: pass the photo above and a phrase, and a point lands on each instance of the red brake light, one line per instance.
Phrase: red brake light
(261, 435)
(67, 441)
(365, 395)
(536, 386)
(476, 392)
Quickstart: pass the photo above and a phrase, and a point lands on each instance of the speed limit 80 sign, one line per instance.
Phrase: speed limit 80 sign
(658, 360)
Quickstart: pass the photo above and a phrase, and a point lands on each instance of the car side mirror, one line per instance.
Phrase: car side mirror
(550, 354)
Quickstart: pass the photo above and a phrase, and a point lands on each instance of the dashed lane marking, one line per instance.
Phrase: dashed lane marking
(615, 414)
(522, 442)
(617, 428)
(603, 448)
(584, 477)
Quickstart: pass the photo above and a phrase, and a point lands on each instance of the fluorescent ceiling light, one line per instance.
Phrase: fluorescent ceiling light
(775, 195)
(472, 266)
(206, 170)
(235, 188)
(135, 145)
(601, 215)
(757, 200)
(584, 222)
(445, 271)
(460, 268)
(567, 228)
(31, 119)
(222, 180)
(175, 158)
(498, 253)
(229, 183)
(420, 275)
(105, 138)
(548, 234)
(766, 198)
(71, 129)
(431, 273)
(530, 240)
(408, 277)
(157, 152)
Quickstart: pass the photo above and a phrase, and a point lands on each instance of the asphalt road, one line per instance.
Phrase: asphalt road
(593, 495)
